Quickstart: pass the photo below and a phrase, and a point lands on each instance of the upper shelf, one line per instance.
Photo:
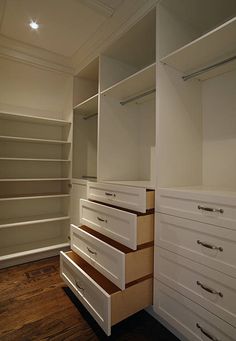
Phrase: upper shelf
(33, 119)
(88, 107)
(31, 140)
(213, 47)
(138, 83)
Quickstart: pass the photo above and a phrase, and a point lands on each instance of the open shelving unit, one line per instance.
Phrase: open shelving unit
(35, 173)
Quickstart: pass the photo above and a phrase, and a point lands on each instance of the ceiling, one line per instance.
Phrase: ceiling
(65, 25)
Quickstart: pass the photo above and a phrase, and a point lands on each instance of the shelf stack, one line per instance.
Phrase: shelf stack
(34, 181)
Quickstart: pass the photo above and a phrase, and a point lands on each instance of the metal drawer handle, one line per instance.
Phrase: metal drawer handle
(78, 286)
(100, 219)
(210, 209)
(93, 252)
(110, 194)
(210, 290)
(210, 246)
(206, 333)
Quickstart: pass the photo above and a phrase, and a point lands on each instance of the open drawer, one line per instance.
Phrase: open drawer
(138, 199)
(127, 228)
(115, 261)
(105, 301)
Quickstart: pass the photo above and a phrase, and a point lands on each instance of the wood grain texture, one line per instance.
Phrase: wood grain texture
(43, 308)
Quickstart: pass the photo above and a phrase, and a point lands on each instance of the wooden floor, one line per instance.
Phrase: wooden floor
(36, 305)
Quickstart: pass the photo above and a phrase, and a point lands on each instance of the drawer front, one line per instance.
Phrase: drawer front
(118, 225)
(103, 257)
(208, 208)
(132, 198)
(92, 296)
(209, 288)
(194, 240)
(189, 318)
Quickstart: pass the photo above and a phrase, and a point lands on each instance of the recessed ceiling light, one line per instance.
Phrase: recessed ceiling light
(34, 25)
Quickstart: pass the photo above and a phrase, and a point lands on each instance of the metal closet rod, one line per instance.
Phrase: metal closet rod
(207, 68)
(137, 97)
(90, 116)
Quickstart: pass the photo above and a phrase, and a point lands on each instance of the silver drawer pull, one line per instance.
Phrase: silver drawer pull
(210, 209)
(93, 252)
(206, 333)
(100, 219)
(210, 246)
(210, 290)
(78, 286)
(110, 194)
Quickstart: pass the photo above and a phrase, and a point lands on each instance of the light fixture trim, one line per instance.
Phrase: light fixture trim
(34, 25)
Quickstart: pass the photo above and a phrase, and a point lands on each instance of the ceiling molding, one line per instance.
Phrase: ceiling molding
(14, 50)
(124, 18)
(98, 6)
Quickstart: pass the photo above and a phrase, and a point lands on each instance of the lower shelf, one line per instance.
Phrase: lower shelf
(32, 220)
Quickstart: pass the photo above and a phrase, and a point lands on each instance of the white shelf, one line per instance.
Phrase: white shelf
(33, 160)
(210, 48)
(38, 179)
(33, 196)
(88, 107)
(33, 119)
(138, 83)
(31, 140)
(13, 222)
(32, 248)
(138, 183)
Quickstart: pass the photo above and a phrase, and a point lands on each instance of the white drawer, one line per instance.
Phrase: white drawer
(105, 302)
(198, 205)
(209, 288)
(187, 238)
(133, 198)
(189, 318)
(124, 227)
(116, 262)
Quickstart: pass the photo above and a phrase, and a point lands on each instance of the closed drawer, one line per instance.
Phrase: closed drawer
(133, 198)
(206, 244)
(209, 288)
(116, 262)
(124, 227)
(189, 318)
(105, 302)
(211, 207)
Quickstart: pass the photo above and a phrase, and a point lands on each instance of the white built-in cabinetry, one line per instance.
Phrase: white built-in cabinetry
(35, 157)
(195, 283)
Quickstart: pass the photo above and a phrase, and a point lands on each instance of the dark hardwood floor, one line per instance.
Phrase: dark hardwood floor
(36, 305)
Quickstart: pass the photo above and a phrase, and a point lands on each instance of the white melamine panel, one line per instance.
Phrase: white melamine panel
(91, 295)
(211, 289)
(198, 203)
(106, 259)
(187, 238)
(116, 224)
(189, 318)
(79, 191)
(133, 198)
(88, 107)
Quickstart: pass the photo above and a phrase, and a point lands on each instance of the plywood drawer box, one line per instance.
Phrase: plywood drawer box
(211, 289)
(211, 207)
(105, 302)
(116, 262)
(189, 318)
(129, 229)
(133, 198)
(207, 244)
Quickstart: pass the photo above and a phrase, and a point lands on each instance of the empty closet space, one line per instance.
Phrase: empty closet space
(126, 147)
(196, 107)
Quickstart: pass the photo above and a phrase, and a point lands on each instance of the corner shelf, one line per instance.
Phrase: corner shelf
(32, 159)
(206, 50)
(138, 83)
(41, 219)
(38, 179)
(87, 107)
(34, 196)
(33, 119)
(31, 140)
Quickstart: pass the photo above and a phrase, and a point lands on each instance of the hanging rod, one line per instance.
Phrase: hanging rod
(90, 116)
(137, 97)
(210, 67)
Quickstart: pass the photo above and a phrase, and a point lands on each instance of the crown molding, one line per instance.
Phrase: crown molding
(99, 6)
(17, 51)
(123, 19)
